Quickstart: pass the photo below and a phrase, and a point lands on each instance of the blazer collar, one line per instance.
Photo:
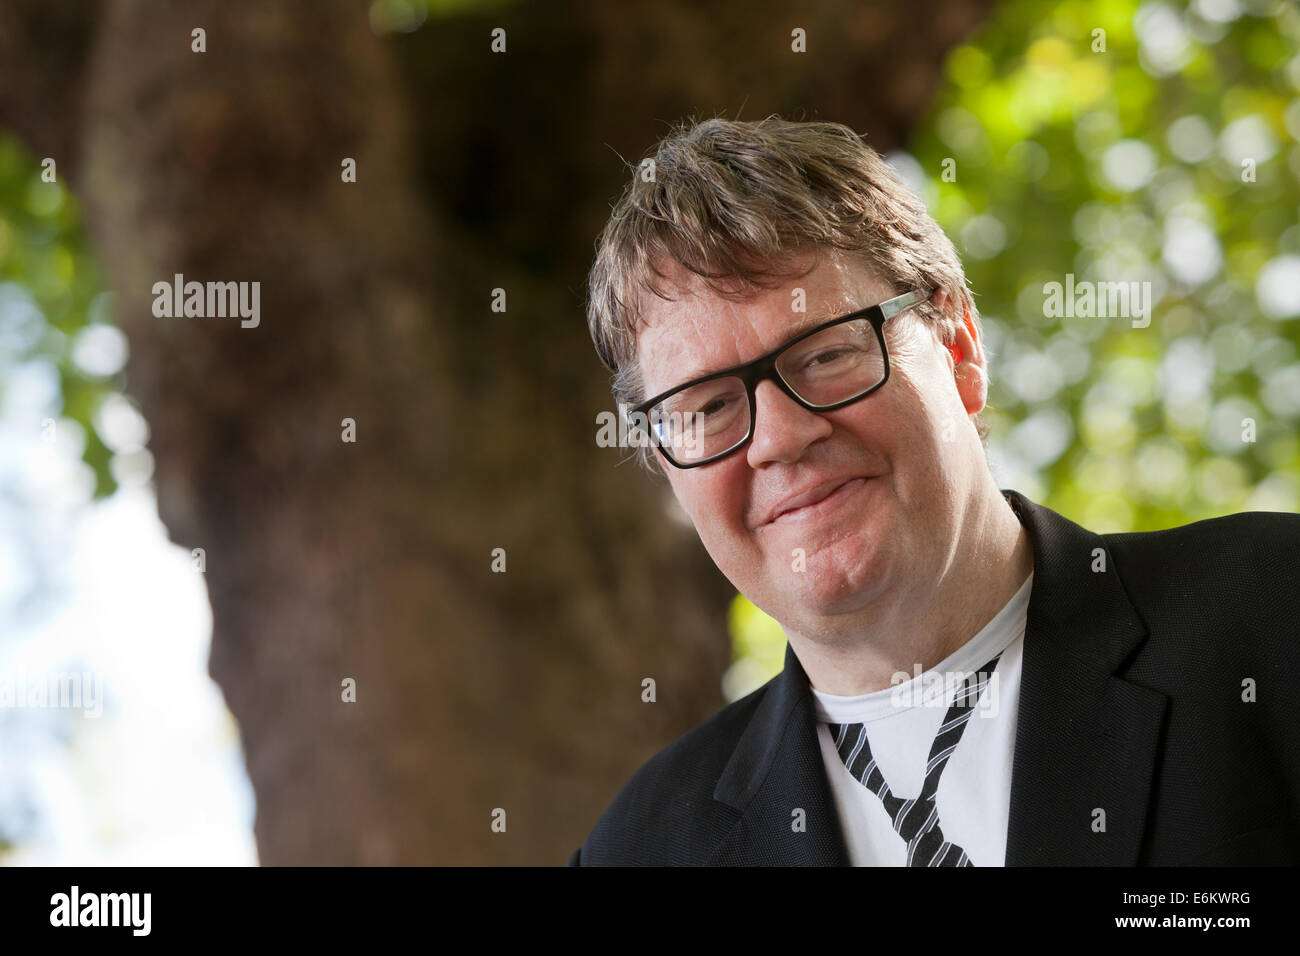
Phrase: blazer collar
(1086, 741)
(775, 772)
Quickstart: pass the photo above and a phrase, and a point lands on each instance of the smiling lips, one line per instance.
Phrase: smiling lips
(815, 500)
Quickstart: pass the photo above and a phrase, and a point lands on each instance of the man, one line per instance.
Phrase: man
(970, 679)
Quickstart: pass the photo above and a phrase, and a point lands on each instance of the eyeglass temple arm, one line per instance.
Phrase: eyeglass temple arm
(904, 302)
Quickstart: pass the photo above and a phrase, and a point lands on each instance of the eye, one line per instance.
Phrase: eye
(831, 359)
(827, 357)
(715, 406)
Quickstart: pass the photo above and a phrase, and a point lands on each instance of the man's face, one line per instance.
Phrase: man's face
(880, 481)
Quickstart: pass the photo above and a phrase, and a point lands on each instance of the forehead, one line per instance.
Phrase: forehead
(700, 331)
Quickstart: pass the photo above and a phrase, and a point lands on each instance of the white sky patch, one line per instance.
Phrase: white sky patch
(1164, 46)
(158, 778)
(1186, 372)
(1129, 164)
(1191, 251)
(99, 350)
(119, 425)
(1277, 287)
(1247, 138)
(1217, 11)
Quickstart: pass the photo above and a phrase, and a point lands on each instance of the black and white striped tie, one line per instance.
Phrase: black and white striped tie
(917, 820)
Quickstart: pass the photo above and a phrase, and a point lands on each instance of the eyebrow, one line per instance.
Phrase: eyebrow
(810, 320)
(843, 307)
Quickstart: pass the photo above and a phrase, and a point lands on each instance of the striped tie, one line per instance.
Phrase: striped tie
(917, 820)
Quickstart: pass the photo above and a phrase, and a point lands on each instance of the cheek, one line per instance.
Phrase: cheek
(892, 424)
(714, 498)
(921, 405)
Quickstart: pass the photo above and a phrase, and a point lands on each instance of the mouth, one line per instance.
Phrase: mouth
(818, 504)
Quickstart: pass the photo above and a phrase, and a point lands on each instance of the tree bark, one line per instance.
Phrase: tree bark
(325, 560)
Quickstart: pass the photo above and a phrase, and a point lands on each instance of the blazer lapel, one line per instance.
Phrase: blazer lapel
(1086, 740)
(776, 771)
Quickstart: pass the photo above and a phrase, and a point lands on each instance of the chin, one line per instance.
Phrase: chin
(824, 602)
(832, 584)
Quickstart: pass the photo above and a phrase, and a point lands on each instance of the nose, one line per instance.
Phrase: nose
(783, 429)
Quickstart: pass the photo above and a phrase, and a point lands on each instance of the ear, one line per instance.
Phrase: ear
(966, 349)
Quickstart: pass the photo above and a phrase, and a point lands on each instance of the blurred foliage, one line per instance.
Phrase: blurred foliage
(1131, 164)
(51, 301)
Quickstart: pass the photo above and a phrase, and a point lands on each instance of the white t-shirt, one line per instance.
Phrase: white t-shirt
(974, 795)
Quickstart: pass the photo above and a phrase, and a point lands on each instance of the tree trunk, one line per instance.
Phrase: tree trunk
(372, 559)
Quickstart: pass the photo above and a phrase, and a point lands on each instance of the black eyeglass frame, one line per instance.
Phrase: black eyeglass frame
(764, 368)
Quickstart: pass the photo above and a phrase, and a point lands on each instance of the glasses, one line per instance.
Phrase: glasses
(827, 367)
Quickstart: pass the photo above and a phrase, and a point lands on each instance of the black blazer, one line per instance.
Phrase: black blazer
(1131, 702)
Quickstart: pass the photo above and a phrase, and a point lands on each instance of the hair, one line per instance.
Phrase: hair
(736, 201)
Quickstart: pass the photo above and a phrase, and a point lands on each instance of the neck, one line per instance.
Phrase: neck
(931, 619)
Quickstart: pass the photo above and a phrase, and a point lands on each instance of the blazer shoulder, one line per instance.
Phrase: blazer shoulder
(1234, 574)
(1265, 543)
(665, 813)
